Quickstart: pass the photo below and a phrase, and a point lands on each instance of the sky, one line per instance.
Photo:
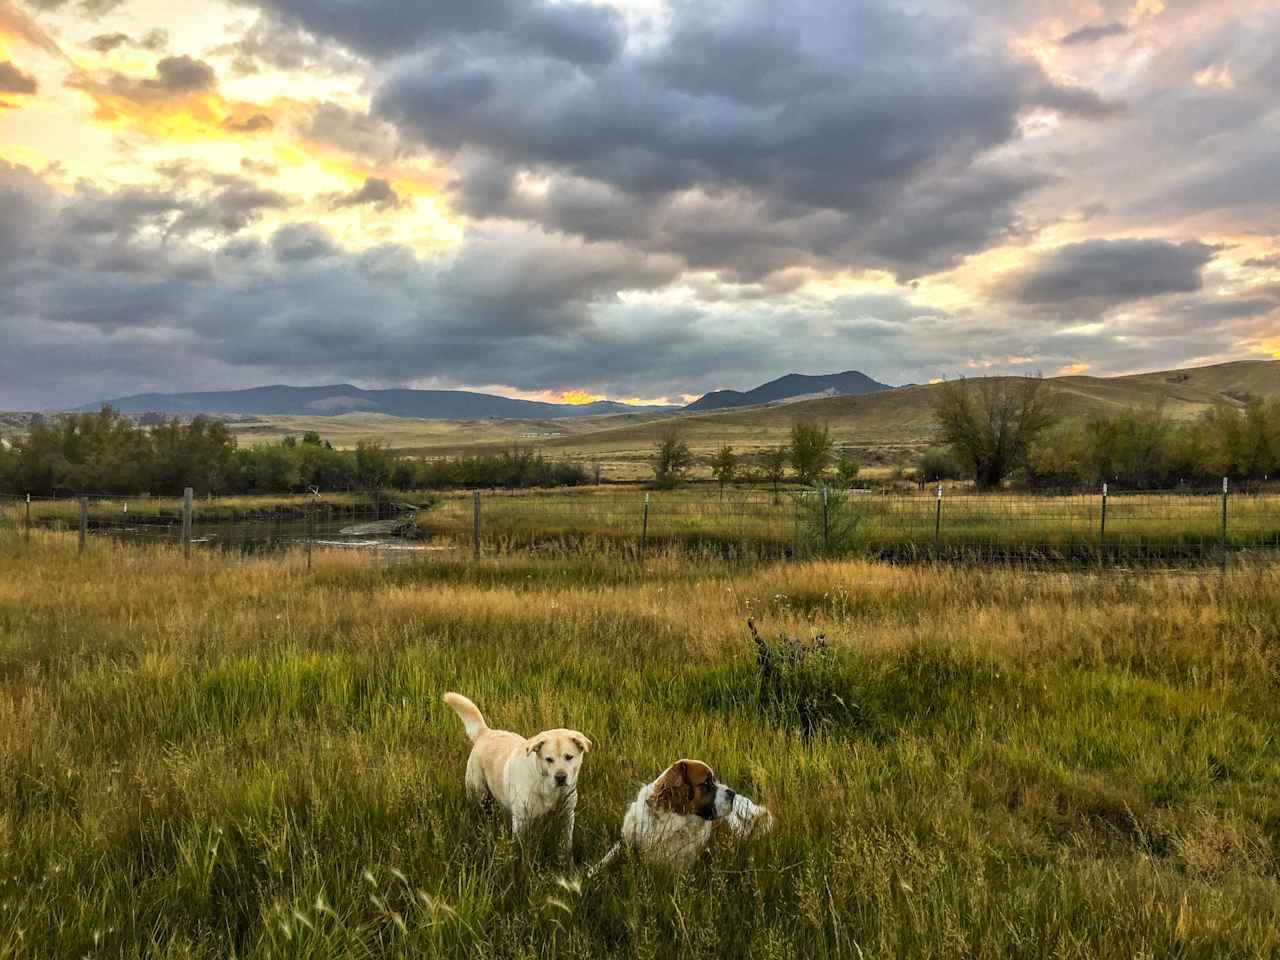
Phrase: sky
(641, 200)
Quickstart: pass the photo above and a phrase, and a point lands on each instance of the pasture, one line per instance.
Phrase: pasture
(222, 759)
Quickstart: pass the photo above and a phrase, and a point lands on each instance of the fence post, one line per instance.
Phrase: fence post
(937, 524)
(644, 527)
(1102, 527)
(826, 523)
(1223, 539)
(84, 521)
(475, 549)
(311, 532)
(28, 519)
(187, 496)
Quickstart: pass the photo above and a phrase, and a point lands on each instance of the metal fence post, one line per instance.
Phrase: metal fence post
(826, 523)
(1223, 539)
(475, 549)
(311, 532)
(84, 522)
(937, 523)
(187, 496)
(1102, 526)
(644, 527)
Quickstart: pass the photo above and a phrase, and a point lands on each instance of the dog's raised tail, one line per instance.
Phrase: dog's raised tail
(469, 713)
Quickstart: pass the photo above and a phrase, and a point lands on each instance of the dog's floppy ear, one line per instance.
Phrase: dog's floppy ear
(581, 742)
(533, 746)
(674, 789)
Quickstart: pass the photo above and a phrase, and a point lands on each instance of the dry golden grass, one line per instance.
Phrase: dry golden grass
(241, 759)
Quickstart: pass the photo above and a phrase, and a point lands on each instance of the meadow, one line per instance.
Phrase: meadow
(222, 759)
(888, 525)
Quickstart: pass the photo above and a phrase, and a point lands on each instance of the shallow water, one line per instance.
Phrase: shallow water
(266, 537)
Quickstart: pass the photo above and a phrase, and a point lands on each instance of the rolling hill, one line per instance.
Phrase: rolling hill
(345, 399)
(883, 428)
(790, 387)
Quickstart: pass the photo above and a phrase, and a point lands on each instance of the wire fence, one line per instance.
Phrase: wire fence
(954, 525)
(943, 526)
(378, 526)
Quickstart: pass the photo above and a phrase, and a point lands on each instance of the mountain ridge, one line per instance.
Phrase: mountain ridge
(788, 387)
(343, 398)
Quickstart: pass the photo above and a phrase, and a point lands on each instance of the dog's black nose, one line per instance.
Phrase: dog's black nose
(561, 779)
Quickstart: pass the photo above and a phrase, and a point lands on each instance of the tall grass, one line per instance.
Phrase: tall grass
(896, 526)
(217, 760)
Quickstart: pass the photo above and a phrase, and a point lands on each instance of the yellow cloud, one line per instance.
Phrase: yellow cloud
(577, 397)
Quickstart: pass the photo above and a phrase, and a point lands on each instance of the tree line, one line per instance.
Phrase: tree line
(811, 454)
(107, 452)
(1007, 429)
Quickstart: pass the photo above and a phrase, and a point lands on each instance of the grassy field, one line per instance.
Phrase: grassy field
(753, 522)
(242, 760)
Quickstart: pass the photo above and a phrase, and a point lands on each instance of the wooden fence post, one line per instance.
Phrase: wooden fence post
(475, 549)
(187, 497)
(311, 532)
(84, 522)
(28, 519)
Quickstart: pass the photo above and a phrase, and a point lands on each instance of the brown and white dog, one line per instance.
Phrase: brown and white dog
(529, 777)
(672, 819)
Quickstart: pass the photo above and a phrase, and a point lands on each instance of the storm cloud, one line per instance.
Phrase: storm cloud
(638, 198)
(1110, 272)
(836, 123)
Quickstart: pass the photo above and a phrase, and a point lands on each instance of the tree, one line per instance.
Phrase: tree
(938, 463)
(724, 466)
(811, 448)
(671, 460)
(991, 423)
(373, 465)
(847, 470)
(773, 464)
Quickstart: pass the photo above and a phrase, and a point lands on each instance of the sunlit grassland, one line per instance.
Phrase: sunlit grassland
(214, 760)
(898, 524)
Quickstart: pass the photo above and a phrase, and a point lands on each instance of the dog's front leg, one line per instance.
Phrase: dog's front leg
(566, 838)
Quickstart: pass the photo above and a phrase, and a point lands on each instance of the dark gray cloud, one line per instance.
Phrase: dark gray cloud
(270, 43)
(13, 80)
(1109, 272)
(174, 77)
(360, 134)
(301, 241)
(577, 32)
(375, 192)
(818, 133)
(93, 9)
(257, 123)
(153, 40)
(182, 75)
(1094, 33)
